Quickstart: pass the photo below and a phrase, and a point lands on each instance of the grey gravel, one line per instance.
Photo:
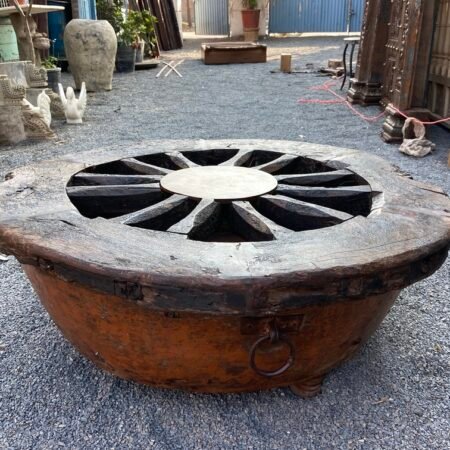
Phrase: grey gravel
(393, 395)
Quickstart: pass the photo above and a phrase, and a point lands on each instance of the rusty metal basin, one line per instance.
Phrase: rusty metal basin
(221, 266)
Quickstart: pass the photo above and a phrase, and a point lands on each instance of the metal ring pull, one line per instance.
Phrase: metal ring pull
(273, 336)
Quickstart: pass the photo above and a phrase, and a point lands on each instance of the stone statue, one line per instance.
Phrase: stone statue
(43, 107)
(73, 107)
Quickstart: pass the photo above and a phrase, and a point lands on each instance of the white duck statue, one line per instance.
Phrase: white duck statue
(42, 109)
(73, 107)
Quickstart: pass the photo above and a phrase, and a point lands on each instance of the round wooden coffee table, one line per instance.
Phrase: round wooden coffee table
(221, 266)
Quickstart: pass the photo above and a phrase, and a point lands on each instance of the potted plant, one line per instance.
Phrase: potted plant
(147, 36)
(250, 15)
(53, 72)
(128, 42)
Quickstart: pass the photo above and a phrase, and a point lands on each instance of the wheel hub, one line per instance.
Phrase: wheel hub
(219, 183)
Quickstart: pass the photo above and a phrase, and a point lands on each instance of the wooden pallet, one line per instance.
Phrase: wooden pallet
(234, 53)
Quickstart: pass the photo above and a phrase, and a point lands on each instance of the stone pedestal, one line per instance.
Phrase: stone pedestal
(18, 120)
(91, 47)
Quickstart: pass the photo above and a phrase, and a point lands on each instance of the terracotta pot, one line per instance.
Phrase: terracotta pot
(250, 18)
(91, 47)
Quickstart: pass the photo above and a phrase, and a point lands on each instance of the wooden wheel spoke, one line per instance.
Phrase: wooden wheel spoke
(315, 179)
(126, 190)
(311, 193)
(241, 157)
(144, 168)
(198, 220)
(276, 164)
(181, 160)
(153, 211)
(114, 179)
(300, 215)
(257, 225)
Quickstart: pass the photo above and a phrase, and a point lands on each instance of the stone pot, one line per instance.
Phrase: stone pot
(91, 47)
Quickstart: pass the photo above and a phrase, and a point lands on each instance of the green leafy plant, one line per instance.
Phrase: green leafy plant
(149, 36)
(250, 4)
(112, 12)
(132, 29)
(49, 63)
(136, 26)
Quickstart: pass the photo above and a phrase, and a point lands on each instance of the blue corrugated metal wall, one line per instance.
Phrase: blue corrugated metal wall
(211, 17)
(310, 16)
(87, 9)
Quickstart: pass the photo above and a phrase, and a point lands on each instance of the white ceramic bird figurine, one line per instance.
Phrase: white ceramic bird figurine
(73, 107)
(43, 107)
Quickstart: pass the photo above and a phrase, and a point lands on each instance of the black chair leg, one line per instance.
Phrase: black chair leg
(345, 66)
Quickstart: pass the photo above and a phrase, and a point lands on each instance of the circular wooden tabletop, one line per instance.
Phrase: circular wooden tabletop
(339, 223)
(219, 183)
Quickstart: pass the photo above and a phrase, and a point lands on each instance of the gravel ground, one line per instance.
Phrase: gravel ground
(393, 395)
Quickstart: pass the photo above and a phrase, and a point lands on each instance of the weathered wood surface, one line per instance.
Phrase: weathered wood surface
(234, 53)
(166, 307)
(404, 239)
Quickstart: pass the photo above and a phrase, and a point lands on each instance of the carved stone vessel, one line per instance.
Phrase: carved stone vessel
(91, 47)
(221, 266)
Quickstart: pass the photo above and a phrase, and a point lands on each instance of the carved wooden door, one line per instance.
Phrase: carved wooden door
(439, 75)
(395, 52)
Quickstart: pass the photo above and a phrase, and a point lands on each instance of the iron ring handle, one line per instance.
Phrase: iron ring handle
(287, 365)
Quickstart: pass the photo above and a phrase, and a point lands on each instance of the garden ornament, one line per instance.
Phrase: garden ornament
(73, 107)
(42, 109)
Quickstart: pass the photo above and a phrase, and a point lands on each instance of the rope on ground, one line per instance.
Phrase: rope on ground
(327, 88)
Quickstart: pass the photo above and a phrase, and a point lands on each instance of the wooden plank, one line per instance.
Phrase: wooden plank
(144, 168)
(299, 215)
(152, 211)
(315, 179)
(198, 222)
(87, 178)
(111, 190)
(257, 227)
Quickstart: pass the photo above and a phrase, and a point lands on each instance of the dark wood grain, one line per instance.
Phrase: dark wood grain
(199, 221)
(315, 179)
(86, 178)
(152, 211)
(181, 161)
(144, 168)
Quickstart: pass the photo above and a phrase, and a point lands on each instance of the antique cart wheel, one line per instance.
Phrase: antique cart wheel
(221, 266)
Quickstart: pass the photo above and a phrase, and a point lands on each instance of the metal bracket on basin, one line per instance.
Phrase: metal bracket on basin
(261, 325)
(274, 330)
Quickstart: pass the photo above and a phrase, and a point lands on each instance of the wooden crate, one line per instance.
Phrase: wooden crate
(234, 53)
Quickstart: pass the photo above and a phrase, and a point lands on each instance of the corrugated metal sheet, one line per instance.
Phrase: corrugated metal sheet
(87, 9)
(211, 17)
(357, 14)
(311, 16)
